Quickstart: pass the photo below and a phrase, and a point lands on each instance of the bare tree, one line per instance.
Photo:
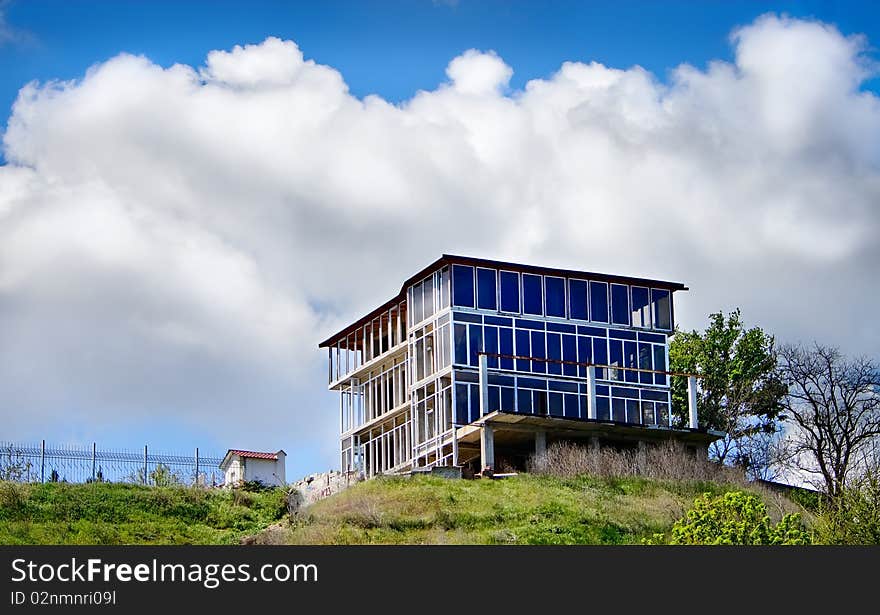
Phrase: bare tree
(834, 407)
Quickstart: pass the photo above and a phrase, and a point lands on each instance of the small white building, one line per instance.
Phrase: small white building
(241, 466)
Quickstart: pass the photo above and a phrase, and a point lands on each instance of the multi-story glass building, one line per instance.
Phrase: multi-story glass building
(482, 362)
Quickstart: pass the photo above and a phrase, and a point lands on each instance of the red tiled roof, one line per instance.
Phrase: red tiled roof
(252, 454)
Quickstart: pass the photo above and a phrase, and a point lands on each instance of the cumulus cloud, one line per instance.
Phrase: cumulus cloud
(175, 241)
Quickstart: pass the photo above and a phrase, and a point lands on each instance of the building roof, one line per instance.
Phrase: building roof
(250, 454)
(450, 259)
(254, 454)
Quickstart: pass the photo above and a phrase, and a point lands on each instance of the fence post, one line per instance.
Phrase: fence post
(145, 464)
(94, 456)
(43, 462)
(197, 466)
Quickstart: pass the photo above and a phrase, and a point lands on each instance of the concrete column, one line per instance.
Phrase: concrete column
(591, 392)
(692, 401)
(594, 444)
(642, 456)
(540, 443)
(484, 385)
(487, 447)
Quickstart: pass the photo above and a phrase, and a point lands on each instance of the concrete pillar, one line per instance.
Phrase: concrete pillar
(484, 385)
(487, 447)
(540, 443)
(591, 392)
(642, 456)
(692, 401)
(594, 444)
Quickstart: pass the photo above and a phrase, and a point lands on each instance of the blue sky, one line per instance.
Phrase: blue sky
(164, 268)
(393, 48)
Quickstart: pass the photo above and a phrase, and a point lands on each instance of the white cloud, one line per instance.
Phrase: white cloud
(174, 242)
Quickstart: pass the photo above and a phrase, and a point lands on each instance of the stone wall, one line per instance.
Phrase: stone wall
(316, 487)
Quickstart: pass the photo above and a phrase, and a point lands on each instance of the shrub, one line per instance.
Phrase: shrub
(853, 517)
(735, 518)
(663, 461)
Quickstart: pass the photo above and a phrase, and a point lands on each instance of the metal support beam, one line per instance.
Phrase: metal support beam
(591, 392)
(692, 401)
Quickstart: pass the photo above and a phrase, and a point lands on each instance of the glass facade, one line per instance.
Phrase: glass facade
(409, 376)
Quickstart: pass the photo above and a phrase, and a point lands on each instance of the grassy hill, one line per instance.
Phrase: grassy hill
(525, 509)
(106, 513)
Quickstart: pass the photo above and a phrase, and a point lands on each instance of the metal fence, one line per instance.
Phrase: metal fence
(41, 462)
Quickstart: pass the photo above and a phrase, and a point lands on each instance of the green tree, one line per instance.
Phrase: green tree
(739, 391)
(735, 518)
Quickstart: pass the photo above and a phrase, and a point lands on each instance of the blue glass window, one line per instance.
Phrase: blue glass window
(486, 289)
(474, 402)
(633, 411)
(662, 309)
(655, 395)
(508, 322)
(645, 363)
(538, 352)
(569, 353)
(555, 293)
(505, 342)
(523, 349)
(577, 299)
(475, 343)
(507, 399)
(600, 355)
(509, 291)
(618, 410)
(571, 405)
(648, 413)
(491, 345)
(461, 404)
(466, 317)
(463, 286)
(660, 364)
(533, 296)
(619, 304)
(417, 310)
(539, 402)
(459, 340)
(641, 307)
(662, 412)
(598, 302)
(556, 404)
(523, 323)
(554, 351)
(615, 358)
(603, 408)
(585, 354)
(560, 327)
(632, 360)
(524, 401)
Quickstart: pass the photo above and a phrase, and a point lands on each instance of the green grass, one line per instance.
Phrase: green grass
(521, 510)
(525, 509)
(106, 513)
